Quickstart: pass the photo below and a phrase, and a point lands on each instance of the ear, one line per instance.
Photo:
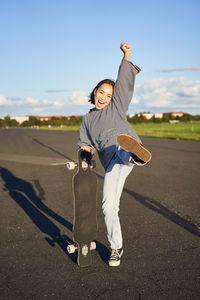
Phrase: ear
(95, 91)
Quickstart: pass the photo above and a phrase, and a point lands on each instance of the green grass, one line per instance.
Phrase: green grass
(64, 128)
(181, 130)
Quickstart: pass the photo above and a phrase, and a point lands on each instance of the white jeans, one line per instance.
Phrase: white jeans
(115, 176)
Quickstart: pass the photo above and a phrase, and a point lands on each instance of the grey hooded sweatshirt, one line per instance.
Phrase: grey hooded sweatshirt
(100, 128)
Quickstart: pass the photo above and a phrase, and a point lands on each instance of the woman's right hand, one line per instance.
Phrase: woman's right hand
(87, 148)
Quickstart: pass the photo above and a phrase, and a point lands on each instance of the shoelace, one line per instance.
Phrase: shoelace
(114, 254)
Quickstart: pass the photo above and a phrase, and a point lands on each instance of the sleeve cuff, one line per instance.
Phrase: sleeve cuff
(134, 66)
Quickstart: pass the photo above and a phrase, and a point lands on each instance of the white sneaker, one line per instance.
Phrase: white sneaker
(115, 257)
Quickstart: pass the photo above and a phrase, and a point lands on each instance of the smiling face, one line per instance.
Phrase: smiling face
(103, 95)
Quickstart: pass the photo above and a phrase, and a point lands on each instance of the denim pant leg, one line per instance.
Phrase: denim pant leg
(114, 180)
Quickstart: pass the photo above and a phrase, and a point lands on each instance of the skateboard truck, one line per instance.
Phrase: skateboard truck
(71, 165)
(73, 247)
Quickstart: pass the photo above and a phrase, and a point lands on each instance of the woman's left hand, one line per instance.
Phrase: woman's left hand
(126, 49)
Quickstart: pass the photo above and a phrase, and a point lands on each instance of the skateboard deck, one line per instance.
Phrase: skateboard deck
(139, 153)
(84, 187)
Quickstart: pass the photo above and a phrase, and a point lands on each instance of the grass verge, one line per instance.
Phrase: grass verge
(180, 131)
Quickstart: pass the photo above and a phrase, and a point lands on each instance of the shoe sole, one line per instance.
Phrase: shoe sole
(114, 264)
(129, 144)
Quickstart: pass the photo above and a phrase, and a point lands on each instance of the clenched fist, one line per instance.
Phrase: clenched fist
(126, 49)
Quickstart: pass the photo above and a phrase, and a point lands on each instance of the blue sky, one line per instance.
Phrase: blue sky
(53, 52)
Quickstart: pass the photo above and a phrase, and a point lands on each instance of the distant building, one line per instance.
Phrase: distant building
(146, 115)
(158, 115)
(48, 118)
(176, 114)
(132, 115)
(149, 115)
(76, 116)
(20, 119)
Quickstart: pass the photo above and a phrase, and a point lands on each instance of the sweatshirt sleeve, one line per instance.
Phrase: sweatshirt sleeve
(84, 139)
(124, 86)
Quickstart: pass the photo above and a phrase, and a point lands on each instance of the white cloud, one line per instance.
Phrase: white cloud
(46, 102)
(32, 105)
(4, 101)
(171, 93)
(38, 109)
(183, 69)
(58, 104)
(78, 97)
(31, 101)
(57, 91)
(39, 105)
(157, 94)
(135, 100)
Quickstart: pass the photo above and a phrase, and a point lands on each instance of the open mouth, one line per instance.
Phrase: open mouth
(101, 103)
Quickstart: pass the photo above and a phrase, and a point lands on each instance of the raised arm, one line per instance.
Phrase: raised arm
(124, 86)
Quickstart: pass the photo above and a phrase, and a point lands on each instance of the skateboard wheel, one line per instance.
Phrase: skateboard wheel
(71, 249)
(93, 164)
(92, 246)
(84, 165)
(71, 165)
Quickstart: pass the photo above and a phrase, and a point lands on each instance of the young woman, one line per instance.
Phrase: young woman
(106, 129)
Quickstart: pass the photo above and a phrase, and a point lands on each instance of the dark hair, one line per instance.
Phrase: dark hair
(108, 81)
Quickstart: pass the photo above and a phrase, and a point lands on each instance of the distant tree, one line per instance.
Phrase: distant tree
(137, 119)
(26, 124)
(65, 121)
(185, 118)
(13, 123)
(2, 123)
(45, 123)
(38, 122)
(55, 121)
(10, 122)
(74, 121)
(155, 120)
(7, 120)
(32, 121)
(196, 118)
(165, 117)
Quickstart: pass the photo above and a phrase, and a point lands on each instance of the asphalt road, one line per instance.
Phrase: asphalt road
(160, 217)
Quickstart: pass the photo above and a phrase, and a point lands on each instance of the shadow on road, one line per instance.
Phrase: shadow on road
(165, 212)
(50, 148)
(23, 193)
(162, 210)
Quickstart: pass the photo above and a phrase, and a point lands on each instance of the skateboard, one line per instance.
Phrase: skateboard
(140, 154)
(84, 187)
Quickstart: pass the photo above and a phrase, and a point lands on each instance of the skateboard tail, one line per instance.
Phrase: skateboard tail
(84, 254)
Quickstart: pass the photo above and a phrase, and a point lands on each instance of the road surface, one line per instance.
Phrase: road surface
(159, 212)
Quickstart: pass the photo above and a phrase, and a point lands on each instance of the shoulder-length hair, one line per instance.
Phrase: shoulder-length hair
(92, 95)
